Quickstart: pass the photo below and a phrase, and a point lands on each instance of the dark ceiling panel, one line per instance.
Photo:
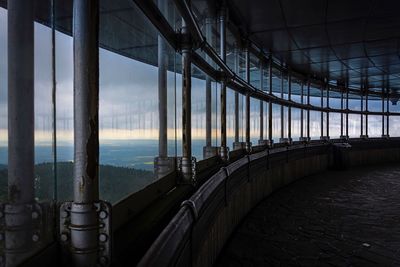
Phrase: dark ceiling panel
(329, 38)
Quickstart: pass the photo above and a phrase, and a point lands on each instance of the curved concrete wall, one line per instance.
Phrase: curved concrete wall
(198, 232)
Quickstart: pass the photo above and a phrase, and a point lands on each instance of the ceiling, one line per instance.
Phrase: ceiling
(354, 40)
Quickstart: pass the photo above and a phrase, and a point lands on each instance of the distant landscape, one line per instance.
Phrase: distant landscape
(115, 182)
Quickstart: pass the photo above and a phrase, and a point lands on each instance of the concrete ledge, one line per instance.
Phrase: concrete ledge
(219, 205)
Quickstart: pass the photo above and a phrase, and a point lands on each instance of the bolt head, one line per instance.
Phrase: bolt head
(103, 237)
(64, 214)
(35, 215)
(64, 237)
(35, 237)
(103, 214)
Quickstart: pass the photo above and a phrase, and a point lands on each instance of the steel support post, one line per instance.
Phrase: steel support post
(261, 141)
(289, 140)
(366, 110)
(327, 113)
(308, 111)
(282, 139)
(187, 164)
(302, 112)
(383, 112)
(208, 150)
(248, 143)
(85, 229)
(322, 113)
(362, 114)
(18, 211)
(342, 114)
(387, 112)
(347, 111)
(270, 140)
(223, 150)
(163, 164)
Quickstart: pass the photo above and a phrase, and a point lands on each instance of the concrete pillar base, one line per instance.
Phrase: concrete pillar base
(223, 152)
(210, 151)
(248, 147)
(324, 138)
(187, 169)
(239, 145)
(163, 166)
(304, 139)
(287, 141)
(263, 142)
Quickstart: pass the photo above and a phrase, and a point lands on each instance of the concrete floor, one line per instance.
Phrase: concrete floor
(337, 218)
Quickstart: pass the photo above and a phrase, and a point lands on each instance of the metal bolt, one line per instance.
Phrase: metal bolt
(103, 237)
(103, 214)
(64, 214)
(35, 215)
(103, 260)
(64, 237)
(35, 237)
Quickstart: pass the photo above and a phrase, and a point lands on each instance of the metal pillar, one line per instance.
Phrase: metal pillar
(387, 112)
(223, 151)
(237, 144)
(261, 141)
(187, 164)
(18, 212)
(308, 111)
(383, 112)
(362, 110)
(163, 165)
(282, 139)
(208, 150)
(84, 223)
(248, 143)
(322, 113)
(289, 139)
(347, 111)
(341, 114)
(327, 113)
(302, 113)
(270, 140)
(366, 110)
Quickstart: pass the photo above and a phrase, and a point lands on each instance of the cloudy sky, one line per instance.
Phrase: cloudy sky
(128, 97)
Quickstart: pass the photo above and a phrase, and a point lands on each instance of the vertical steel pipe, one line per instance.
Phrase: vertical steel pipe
(248, 144)
(387, 112)
(20, 102)
(282, 109)
(362, 111)
(162, 90)
(222, 24)
(270, 103)
(366, 110)
(322, 113)
(383, 111)
(208, 22)
(327, 113)
(302, 112)
(261, 103)
(308, 110)
(84, 233)
(236, 55)
(289, 108)
(18, 216)
(347, 110)
(186, 106)
(341, 113)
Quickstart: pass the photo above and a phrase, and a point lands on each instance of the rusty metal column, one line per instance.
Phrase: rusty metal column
(261, 141)
(248, 143)
(289, 139)
(162, 163)
(84, 234)
(187, 164)
(208, 150)
(223, 151)
(18, 215)
(85, 230)
(308, 111)
(270, 140)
